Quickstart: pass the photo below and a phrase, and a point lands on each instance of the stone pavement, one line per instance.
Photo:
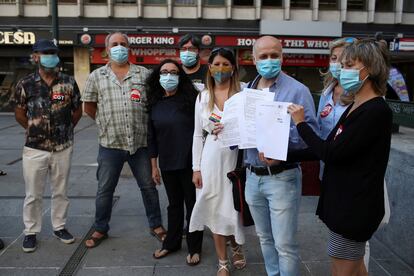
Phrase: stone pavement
(129, 249)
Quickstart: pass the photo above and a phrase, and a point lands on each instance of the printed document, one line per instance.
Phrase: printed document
(273, 126)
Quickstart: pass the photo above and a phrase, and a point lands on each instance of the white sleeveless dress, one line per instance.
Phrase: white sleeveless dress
(214, 204)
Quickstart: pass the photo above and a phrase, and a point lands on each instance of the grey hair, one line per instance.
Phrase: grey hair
(108, 37)
(375, 57)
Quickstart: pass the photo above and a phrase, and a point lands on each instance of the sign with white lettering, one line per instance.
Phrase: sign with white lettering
(287, 42)
(144, 39)
(17, 38)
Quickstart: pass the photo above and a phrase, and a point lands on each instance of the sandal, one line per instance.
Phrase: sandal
(238, 252)
(193, 259)
(223, 265)
(96, 241)
(161, 235)
(162, 253)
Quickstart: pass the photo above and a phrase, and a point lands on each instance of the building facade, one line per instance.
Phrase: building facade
(305, 27)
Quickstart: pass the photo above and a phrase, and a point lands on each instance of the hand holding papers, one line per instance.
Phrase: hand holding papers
(243, 128)
(273, 126)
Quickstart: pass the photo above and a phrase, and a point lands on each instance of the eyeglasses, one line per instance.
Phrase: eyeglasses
(191, 49)
(218, 49)
(166, 72)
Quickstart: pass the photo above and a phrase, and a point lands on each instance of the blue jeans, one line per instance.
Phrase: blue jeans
(110, 163)
(274, 203)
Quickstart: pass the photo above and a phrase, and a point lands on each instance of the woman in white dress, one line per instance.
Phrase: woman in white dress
(214, 203)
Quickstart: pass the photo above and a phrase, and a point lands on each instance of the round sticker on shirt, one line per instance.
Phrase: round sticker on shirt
(326, 110)
(135, 95)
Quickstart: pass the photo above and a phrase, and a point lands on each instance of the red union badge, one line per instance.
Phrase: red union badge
(338, 131)
(57, 96)
(135, 95)
(326, 110)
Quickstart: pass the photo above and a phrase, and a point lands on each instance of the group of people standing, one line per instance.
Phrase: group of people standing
(165, 126)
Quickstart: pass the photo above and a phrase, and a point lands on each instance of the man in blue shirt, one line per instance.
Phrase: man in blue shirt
(273, 188)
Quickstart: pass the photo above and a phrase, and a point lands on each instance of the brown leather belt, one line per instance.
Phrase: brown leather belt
(272, 169)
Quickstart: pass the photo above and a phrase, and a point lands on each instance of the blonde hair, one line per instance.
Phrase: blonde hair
(374, 56)
(328, 79)
(234, 80)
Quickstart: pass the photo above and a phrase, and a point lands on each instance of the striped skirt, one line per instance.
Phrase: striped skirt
(342, 248)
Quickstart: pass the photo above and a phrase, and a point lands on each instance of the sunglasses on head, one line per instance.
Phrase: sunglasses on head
(224, 49)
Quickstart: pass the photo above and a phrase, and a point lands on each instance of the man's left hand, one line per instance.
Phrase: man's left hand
(268, 161)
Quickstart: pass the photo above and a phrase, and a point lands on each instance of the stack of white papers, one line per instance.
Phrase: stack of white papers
(252, 119)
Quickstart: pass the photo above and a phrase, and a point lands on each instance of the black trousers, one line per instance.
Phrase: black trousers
(180, 190)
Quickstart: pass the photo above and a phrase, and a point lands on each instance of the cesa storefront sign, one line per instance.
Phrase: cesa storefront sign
(17, 38)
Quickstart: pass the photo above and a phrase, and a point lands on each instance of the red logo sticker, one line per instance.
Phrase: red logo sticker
(57, 96)
(338, 131)
(326, 110)
(135, 95)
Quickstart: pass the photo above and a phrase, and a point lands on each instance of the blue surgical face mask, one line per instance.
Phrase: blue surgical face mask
(268, 68)
(335, 69)
(119, 54)
(188, 58)
(169, 82)
(49, 61)
(349, 80)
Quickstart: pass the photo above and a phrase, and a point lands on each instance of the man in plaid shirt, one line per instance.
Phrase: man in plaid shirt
(114, 96)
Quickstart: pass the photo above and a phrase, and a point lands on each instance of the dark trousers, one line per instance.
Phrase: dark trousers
(110, 163)
(180, 190)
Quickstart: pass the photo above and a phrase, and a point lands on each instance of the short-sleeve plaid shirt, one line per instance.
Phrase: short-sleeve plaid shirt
(121, 114)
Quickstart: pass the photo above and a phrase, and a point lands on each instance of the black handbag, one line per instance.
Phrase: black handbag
(238, 180)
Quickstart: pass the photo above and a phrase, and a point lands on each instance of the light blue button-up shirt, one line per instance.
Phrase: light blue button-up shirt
(287, 89)
(329, 112)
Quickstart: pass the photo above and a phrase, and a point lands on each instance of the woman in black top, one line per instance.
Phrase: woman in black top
(171, 99)
(356, 155)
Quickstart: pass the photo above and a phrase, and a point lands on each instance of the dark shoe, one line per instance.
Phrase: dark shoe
(1, 244)
(64, 236)
(29, 243)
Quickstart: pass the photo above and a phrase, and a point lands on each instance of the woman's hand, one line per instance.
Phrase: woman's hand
(269, 162)
(218, 127)
(156, 175)
(297, 112)
(198, 182)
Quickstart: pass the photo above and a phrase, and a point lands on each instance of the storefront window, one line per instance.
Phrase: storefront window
(214, 2)
(384, 5)
(273, 3)
(243, 2)
(185, 2)
(68, 1)
(155, 2)
(125, 1)
(357, 5)
(96, 1)
(37, 2)
(408, 6)
(300, 3)
(328, 4)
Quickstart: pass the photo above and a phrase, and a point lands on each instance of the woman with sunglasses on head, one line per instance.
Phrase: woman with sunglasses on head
(355, 154)
(214, 206)
(171, 99)
(333, 101)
